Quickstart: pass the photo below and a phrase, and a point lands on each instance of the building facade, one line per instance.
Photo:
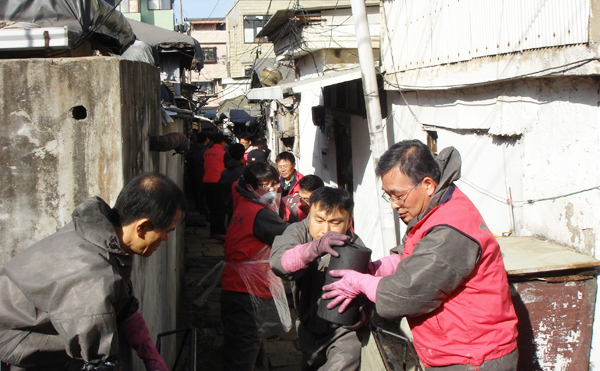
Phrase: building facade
(245, 20)
(212, 36)
(155, 12)
(514, 87)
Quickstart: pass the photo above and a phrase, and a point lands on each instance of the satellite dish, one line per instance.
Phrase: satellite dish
(270, 76)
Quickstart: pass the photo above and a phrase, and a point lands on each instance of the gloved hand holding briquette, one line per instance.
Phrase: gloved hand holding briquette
(300, 256)
(349, 287)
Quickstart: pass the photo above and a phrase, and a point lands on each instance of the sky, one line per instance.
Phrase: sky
(202, 8)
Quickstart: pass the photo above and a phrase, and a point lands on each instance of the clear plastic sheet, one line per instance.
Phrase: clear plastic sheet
(273, 315)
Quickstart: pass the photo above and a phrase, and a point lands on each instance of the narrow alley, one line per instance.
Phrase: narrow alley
(202, 254)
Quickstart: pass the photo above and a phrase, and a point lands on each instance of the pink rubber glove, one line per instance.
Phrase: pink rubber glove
(138, 337)
(348, 287)
(302, 255)
(385, 266)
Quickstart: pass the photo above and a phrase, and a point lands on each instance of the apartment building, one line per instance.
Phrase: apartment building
(211, 33)
(155, 12)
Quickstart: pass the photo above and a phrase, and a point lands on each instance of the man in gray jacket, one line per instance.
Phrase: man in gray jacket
(65, 300)
(448, 277)
(301, 254)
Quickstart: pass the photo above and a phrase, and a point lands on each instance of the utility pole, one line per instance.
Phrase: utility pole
(180, 13)
(371, 92)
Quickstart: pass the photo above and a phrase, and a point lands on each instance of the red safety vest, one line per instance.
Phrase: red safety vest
(477, 322)
(296, 187)
(213, 164)
(247, 266)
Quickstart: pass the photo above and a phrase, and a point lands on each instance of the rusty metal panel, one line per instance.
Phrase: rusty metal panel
(433, 32)
(555, 324)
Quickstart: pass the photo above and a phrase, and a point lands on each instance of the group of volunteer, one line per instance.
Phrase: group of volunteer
(447, 277)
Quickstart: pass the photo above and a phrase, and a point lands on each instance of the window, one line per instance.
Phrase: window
(130, 6)
(253, 24)
(210, 55)
(206, 87)
(247, 69)
(159, 4)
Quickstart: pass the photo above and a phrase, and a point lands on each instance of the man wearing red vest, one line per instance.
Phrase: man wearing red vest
(248, 284)
(288, 179)
(297, 205)
(289, 176)
(447, 277)
(214, 164)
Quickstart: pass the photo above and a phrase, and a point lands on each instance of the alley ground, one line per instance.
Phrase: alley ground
(201, 255)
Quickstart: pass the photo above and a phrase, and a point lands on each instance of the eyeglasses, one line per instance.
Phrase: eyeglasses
(397, 200)
(304, 199)
(284, 167)
(268, 186)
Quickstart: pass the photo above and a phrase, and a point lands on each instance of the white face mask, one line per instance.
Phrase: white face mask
(270, 199)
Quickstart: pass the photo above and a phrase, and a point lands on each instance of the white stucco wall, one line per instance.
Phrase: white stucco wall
(554, 156)
(316, 152)
(367, 192)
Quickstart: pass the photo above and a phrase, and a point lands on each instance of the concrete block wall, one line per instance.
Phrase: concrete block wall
(77, 127)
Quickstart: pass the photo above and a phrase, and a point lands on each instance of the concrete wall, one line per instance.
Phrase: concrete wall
(75, 128)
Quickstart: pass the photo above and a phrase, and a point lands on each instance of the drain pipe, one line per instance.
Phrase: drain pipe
(375, 121)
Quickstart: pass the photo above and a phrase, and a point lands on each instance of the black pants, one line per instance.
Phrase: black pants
(199, 193)
(216, 204)
(243, 348)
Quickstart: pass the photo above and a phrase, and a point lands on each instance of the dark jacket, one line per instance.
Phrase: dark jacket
(232, 172)
(198, 161)
(62, 297)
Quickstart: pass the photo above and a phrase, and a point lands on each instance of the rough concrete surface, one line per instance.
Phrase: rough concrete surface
(201, 255)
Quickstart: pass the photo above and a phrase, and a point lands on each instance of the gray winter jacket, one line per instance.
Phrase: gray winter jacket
(307, 283)
(440, 261)
(60, 298)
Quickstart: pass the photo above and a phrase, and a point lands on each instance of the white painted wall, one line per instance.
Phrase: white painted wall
(316, 151)
(556, 154)
(366, 192)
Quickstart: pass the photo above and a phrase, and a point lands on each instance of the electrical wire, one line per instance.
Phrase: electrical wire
(555, 70)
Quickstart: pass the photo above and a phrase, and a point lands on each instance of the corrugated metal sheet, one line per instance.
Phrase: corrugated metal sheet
(432, 32)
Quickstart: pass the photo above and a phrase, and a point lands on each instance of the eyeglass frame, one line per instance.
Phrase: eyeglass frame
(268, 187)
(284, 167)
(306, 200)
(396, 200)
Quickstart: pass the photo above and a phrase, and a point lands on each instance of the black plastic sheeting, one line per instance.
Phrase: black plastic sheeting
(93, 20)
(162, 40)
